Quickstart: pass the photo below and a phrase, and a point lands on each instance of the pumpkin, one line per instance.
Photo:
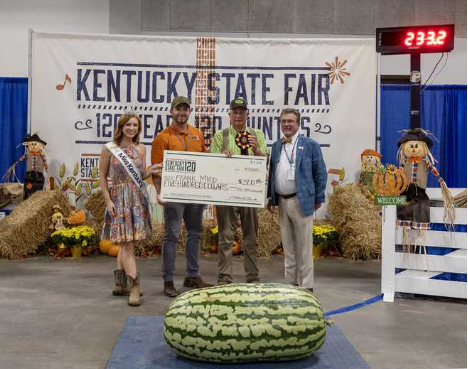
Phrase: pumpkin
(77, 217)
(105, 245)
(114, 250)
(237, 248)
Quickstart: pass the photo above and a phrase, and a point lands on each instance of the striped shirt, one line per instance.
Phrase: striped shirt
(35, 161)
(217, 143)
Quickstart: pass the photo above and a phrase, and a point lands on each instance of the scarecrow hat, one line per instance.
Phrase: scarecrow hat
(34, 138)
(416, 134)
(370, 152)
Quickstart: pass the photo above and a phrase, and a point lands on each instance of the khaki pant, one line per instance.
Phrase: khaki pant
(296, 236)
(227, 226)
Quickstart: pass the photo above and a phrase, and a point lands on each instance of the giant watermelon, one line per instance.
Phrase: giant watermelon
(245, 322)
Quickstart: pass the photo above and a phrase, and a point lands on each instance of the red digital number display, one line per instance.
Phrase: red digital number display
(417, 39)
(429, 38)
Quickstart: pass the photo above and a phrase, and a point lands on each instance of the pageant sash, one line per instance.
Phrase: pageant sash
(129, 167)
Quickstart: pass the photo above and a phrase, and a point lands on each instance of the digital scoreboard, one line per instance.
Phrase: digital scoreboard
(416, 39)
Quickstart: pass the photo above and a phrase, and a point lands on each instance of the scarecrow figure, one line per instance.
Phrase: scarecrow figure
(36, 163)
(57, 219)
(415, 157)
(370, 164)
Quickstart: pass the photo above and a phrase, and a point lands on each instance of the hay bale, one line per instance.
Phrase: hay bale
(96, 205)
(27, 227)
(357, 221)
(269, 235)
(152, 245)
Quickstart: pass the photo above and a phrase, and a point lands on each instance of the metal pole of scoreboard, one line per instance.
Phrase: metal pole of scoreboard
(415, 80)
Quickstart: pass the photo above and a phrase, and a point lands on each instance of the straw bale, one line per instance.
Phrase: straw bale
(27, 227)
(96, 206)
(268, 238)
(357, 221)
(152, 245)
(269, 235)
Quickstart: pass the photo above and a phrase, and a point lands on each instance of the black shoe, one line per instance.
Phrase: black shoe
(169, 289)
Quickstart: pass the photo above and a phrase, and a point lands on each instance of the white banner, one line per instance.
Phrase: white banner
(81, 84)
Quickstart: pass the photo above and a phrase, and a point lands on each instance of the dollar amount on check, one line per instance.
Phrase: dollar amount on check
(205, 178)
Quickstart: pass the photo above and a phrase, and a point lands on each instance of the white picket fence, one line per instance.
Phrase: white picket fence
(420, 268)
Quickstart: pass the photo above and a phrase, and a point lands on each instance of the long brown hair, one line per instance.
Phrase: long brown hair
(118, 134)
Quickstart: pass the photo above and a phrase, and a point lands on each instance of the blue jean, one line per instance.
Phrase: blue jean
(193, 219)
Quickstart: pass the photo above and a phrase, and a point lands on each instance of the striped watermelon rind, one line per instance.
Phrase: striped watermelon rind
(245, 322)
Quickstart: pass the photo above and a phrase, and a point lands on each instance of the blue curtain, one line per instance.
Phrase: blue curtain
(443, 112)
(13, 122)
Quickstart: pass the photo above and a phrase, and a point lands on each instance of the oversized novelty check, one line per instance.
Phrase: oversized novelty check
(204, 178)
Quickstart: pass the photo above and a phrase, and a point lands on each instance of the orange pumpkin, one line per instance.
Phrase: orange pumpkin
(105, 245)
(236, 249)
(114, 250)
(77, 217)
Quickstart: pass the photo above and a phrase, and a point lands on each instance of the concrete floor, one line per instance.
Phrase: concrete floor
(61, 314)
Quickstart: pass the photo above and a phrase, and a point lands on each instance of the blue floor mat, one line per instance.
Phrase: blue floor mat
(141, 345)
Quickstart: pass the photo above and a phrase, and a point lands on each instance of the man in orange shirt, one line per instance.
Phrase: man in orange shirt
(180, 136)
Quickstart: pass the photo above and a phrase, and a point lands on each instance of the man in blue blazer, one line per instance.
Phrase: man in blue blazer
(296, 183)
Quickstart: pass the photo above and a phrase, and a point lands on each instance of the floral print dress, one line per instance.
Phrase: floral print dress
(132, 221)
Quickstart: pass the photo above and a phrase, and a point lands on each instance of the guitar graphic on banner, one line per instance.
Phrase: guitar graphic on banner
(204, 112)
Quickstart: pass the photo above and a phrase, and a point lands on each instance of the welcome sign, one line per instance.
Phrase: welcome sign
(82, 84)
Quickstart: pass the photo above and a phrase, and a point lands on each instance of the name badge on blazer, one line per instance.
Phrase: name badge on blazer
(195, 138)
(300, 147)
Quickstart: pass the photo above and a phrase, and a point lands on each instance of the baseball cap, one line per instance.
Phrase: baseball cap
(238, 103)
(180, 100)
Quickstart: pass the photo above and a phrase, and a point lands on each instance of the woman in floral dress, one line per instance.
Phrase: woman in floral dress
(127, 217)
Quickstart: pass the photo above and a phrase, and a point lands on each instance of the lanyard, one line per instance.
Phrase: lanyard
(185, 145)
(290, 159)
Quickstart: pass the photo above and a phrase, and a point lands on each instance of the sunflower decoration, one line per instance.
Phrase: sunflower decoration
(242, 141)
(391, 169)
(337, 70)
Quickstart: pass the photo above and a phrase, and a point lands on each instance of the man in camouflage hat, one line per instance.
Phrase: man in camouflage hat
(238, 139)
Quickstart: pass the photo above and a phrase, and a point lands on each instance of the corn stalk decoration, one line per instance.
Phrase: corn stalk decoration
(73, 185)
(341, 177)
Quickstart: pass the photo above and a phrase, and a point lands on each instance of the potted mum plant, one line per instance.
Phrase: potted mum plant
(324, 235)
(75, 238)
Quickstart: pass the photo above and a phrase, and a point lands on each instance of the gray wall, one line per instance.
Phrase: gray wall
(295, 17)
